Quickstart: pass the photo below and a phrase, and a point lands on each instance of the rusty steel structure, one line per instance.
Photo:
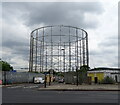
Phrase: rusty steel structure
(60, 48)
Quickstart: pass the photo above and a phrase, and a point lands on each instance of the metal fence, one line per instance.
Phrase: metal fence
(0, 75)
(19, 77)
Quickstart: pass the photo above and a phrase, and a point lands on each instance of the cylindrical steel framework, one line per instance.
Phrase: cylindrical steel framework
(60, 48)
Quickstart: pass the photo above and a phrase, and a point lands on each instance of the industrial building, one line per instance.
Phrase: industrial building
(98, 74)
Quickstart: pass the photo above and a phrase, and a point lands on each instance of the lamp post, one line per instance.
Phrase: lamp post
(63, 59)
(77, 75)
(45, 81)
(50, 76)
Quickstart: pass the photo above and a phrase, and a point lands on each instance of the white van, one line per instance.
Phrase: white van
(38, 80)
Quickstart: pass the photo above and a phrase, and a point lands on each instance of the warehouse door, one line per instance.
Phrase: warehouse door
(116, 79)
(96, 79)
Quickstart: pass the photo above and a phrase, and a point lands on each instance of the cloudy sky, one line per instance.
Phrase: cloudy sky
(99, 19)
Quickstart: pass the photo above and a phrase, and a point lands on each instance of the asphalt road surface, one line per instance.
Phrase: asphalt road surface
(31, 94)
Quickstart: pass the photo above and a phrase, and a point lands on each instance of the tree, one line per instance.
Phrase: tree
(84, 68)
(4, 66)
(83, 74)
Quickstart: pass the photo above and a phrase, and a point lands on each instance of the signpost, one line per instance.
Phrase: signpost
(50, 72)
(45, 73)
(77, 75)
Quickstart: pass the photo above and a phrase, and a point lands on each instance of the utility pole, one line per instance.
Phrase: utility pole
(77, 75)
(49, 77)
(45, 81)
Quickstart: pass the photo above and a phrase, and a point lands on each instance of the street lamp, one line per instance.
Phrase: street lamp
(77, 75)
(63, 59)
(45, 80)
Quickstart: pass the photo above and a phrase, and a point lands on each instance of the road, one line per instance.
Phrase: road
(31, 94)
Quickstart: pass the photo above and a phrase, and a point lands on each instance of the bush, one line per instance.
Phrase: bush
(108, 80)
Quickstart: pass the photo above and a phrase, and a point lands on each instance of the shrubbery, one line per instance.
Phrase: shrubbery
(108, 80)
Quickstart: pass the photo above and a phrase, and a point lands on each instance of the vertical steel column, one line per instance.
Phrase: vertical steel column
(51, 50)
(75, 55)
(36, 50)
(32, 52)
(46, 57)
(69, 51)
(58, 57)
(40, 55)
(60, 48)
(87, 53)
(30, 57)
(39, 45)
(64, 58)
(80, 55)
(83, 45)
(43, 52)
(77, 45)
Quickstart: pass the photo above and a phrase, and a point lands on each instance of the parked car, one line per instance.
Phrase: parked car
(0, 82)
(61, 80)
(38, 80)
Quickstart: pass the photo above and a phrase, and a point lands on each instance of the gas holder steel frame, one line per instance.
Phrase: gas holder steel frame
(59, 47)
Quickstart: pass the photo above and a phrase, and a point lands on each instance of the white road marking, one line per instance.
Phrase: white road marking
(15, 87)
(30, 87)
(23, 87)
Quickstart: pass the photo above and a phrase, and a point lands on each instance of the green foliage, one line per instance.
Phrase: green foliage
(4, 66)
(34, 72)
(60, 74)
(83, 73)
(84, 68)
(108, 80)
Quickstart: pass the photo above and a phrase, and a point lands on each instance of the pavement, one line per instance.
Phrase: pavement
(24, 85)
(68, 87)
(83, 87)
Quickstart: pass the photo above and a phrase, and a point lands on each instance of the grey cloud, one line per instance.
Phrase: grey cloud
(107, 49)
(17, 48)
(93, 52)
(103, 52)
(107, 53)
(18, 45)
(109, 42)
(55, 13)
(63, 13)
(12, 44)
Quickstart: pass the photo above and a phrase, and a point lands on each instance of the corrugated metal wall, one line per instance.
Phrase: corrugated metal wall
(19, 77)
(70, 78)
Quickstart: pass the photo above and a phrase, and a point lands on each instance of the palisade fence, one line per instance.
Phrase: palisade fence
(0, 75)
(9, 77)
